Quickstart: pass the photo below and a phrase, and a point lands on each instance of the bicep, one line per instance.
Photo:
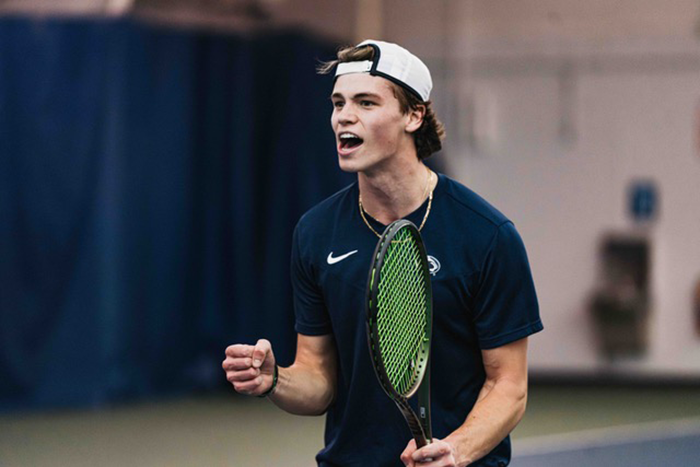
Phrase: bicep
(507, 363)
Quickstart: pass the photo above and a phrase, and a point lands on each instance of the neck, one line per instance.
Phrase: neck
(388, 195)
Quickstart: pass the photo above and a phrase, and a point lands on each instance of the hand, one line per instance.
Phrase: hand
(250, 368)
(436, 454)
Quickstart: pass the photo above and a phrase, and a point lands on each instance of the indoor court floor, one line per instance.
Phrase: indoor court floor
(564, 425)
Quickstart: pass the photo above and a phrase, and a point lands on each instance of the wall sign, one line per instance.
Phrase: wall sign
(643, 200)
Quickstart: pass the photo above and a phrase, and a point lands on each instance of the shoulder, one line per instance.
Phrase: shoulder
(468, 201)
(465, 203)
(464, 225)
(462, 229)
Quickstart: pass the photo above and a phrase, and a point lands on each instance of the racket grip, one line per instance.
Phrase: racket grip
(413, 423)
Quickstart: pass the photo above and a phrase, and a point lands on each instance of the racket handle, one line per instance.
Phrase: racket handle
(413, 423)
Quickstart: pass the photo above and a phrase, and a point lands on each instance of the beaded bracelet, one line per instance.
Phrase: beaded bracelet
(270, 391)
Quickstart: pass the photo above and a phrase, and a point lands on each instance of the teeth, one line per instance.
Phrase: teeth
(348, 136)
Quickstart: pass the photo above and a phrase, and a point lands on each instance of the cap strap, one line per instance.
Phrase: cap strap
(353, 67)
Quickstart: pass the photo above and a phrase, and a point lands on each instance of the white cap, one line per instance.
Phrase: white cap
(394, 63)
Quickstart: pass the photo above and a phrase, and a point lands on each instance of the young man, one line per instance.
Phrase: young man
(483, 294)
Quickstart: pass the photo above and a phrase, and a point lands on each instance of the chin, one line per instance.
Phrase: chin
(347, 165)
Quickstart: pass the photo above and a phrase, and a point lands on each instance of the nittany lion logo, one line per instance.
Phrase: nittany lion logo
(433, 265)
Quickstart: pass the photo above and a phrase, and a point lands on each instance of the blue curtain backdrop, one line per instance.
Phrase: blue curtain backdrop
(150, 180)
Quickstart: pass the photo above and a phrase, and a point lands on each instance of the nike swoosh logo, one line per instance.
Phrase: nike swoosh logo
(337, 259)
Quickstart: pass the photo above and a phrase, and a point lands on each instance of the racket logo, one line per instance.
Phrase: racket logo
(433, 265)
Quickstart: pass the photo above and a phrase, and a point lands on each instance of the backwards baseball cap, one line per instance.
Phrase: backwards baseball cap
(394, 63)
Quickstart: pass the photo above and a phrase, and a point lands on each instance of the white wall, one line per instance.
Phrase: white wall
(623, 80)
(565, 195)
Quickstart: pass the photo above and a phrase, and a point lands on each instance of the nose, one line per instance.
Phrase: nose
(346, 115)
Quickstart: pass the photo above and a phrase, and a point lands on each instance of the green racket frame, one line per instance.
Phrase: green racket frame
(419, 425)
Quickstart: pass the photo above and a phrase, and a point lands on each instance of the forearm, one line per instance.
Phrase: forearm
(499, 408)
(302, 390)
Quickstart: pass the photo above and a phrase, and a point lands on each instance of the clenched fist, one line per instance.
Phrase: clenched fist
(250, 368)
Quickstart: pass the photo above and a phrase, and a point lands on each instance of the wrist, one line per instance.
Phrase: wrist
(275, 377)
(458, 448)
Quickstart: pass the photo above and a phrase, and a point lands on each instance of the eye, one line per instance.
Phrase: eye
(367, 103)
(338, 104)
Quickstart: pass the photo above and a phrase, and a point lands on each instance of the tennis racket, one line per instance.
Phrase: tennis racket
(399, 322)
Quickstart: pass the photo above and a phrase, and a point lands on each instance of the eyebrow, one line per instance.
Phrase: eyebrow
(362, 95)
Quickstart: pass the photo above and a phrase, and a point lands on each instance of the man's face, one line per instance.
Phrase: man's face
(368, 124)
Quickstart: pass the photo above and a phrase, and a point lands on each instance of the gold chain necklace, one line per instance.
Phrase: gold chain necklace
(425, 217)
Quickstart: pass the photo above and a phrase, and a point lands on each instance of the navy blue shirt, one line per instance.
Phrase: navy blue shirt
(483, 298)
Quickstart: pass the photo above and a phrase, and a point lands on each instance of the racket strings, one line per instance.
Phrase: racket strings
(402, 313)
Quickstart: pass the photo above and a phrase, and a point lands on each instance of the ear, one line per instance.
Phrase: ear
(415, 118)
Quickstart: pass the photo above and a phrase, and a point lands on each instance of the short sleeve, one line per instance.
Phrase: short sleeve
(505, 305)
(311, 315)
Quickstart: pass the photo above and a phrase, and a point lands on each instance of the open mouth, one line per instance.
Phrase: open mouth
(349, 140)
